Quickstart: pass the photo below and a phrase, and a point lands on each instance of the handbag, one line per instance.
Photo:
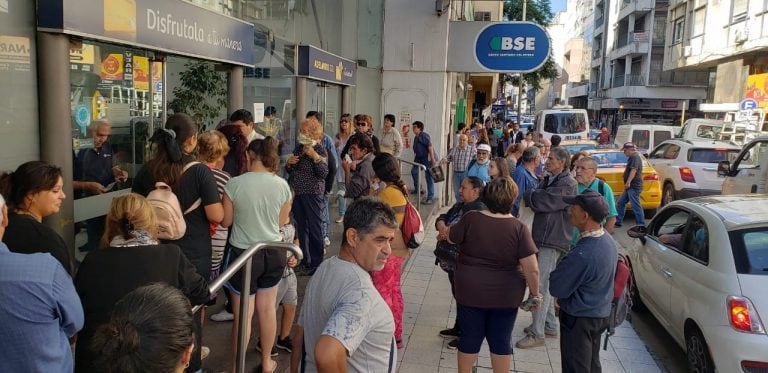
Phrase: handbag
(446, 252)
(437, 174)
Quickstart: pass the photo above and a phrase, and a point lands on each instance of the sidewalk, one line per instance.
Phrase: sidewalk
(429, 308)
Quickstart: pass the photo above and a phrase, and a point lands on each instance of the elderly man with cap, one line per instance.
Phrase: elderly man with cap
(583, 284)
(479, 166)
(633, 186)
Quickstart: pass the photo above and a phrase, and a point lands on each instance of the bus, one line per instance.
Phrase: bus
(569, 123)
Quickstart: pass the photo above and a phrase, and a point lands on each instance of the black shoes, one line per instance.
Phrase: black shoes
(450, 333)
(284, 344)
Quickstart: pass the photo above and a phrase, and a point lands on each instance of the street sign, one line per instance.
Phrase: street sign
(748, 104)
(512, 47)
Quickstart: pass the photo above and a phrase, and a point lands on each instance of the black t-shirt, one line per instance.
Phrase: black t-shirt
(107, 275)
(25, 235)
(634, 162)
(196, 182)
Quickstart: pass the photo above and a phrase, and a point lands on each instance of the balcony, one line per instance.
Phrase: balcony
(628, 7)
(634, 80)
(630, 49)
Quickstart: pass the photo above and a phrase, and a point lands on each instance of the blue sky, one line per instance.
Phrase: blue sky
(558, 6)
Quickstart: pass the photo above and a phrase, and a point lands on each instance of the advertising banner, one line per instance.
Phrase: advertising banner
(318, 64)
(757, 89)
(174, 26)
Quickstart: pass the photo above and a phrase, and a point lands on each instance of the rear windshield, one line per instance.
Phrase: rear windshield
(609, 159)
(712, 155)
(575, 148)
(565, 122)
(750, 250)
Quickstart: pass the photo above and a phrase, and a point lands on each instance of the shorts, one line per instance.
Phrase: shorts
(266, 271)
(287, 290)
(492, 324)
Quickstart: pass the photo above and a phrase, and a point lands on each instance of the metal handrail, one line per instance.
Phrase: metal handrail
(422, 168)
(245, 261)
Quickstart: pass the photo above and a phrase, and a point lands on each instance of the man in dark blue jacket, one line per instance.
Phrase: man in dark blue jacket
(583, 284)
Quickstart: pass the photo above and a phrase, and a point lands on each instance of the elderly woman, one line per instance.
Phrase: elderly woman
(132, 257)
(493, 246)
(307, 169)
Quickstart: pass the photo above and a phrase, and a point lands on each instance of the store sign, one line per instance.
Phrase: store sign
(15, 53)
(498, 46)
(318, 64)
(757, 89)
(174, 26)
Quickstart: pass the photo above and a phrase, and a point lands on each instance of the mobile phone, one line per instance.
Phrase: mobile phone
(347, 158)
(110, 186)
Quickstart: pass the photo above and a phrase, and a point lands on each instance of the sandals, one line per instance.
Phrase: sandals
(260, 368)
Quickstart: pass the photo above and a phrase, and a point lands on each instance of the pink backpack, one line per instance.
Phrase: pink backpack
(170, 219)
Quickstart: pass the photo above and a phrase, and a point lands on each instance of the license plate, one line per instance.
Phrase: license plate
(572, 137)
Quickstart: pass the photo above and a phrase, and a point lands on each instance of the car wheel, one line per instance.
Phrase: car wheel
(668, 195)
(634, 291)
(699, 359)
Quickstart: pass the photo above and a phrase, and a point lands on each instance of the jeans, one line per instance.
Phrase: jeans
(580, 343)
(342, 201)
(632, 196)
(427, 175)
(456, 179)
(544, 317)
(308, 213)
(326, 215)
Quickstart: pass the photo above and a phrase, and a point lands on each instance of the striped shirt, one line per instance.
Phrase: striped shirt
(219, 236)
(461, 157)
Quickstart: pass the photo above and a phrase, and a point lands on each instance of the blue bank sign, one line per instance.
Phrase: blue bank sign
(172, 26)
(512, 46)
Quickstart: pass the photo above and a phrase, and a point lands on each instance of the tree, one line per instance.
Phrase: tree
(538, 11)
(202, 92)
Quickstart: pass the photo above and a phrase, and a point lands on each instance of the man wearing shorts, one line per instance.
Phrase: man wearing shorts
(344, 324)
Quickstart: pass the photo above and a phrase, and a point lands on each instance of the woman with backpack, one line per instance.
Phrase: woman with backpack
(195, 188)
(387, 281)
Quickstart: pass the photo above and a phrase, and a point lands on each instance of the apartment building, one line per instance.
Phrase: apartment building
(728, 41)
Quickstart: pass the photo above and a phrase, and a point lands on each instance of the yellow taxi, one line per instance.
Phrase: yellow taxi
(610, 168)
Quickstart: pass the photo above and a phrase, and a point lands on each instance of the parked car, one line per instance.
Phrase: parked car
(610, 168)
(688, 168)
(748, 173)
(701, 268)
(575, 146)
(644, 136)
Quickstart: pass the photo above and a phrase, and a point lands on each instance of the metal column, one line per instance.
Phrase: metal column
(347, 92)
(234, 89)
(55, 127)
(301, 104)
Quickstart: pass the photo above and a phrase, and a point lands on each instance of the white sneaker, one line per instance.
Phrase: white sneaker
(327, 241)
(223, 316)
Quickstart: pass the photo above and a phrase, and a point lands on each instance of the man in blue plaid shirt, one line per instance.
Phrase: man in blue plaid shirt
(460, 156)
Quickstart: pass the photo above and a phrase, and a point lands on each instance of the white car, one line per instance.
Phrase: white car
(701, 268)
(688, 168)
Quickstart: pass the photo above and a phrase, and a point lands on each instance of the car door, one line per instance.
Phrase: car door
(746, 175)
(652, 271)
(657, 160)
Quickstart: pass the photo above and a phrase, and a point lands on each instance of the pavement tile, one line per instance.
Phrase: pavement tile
(641, 368)
(415, 368)
(530, 355)
(413, 290)
(422, 355)
(528, 367)
(632, 343)
(633, 356)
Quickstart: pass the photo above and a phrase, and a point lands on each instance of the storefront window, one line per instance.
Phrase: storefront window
(19, 131)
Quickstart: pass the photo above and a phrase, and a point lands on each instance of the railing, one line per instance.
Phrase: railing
(245, 262)
(422, 169)
(598, 21)
(632, 79)
(618, 81)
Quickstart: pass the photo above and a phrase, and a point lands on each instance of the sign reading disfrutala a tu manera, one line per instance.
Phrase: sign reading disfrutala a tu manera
(497, 47)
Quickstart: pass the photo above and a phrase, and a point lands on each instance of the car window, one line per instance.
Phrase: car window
(658, 152)
(707, 131)
(672, 221)
(697, 240)
(751, 250)
(641, 138)
(672, 152)
(609, 159)
(712, 155)
(753, 155)
(659, 136)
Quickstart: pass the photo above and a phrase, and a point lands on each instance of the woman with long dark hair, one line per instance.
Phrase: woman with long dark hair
(173, 147)
(33, 192)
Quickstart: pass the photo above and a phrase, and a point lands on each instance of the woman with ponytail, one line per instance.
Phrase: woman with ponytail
(387, 281)
(131, 257)
(150, 330)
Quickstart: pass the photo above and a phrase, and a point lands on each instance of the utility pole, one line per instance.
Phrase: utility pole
(520, 80)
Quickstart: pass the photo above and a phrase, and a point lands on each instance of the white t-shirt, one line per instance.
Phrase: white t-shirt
(340, 301)
(257, 198)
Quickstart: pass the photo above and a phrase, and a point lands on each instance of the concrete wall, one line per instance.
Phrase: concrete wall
(730, 81)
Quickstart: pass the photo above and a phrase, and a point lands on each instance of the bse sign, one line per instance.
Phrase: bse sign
(512, 47)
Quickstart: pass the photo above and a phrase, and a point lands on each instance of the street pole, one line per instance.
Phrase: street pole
(682, 116)
(520, 80)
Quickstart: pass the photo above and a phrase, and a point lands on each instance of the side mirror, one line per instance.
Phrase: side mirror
(723, 168)
(637, 231)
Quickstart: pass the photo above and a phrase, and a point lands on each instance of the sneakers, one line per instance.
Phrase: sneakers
(452, 332)
(530, 341)
(222, 316)
(284, 344)
(204, 352)
(327, 241)
(452, 345)
(274, 349)
(428, 201)
(547, 332)
(340, 220)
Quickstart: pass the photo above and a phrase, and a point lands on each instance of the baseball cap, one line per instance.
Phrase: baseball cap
(628, 145)
(592, 202)
(484, 147)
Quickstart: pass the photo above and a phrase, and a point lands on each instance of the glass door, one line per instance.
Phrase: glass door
(326, 98)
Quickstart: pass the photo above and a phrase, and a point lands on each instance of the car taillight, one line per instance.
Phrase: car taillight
(743, 316)
(651, 177)
(753, 366)
(687, 175)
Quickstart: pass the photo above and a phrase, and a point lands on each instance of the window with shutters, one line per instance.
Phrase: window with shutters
(482, 16)
(739, 10)
(697, 26)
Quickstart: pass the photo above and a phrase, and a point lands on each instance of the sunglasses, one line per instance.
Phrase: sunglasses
(362, 123)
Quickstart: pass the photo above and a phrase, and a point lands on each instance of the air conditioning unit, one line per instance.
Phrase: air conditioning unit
(741, 35)
(687, 51)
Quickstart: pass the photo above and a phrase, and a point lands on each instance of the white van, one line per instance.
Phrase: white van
(701, 129)
(563, 120)
(749, 172)
(644, 136)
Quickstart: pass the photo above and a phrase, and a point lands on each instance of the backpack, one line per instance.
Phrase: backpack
(170, 219)
(412, 227)
(622, 299)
